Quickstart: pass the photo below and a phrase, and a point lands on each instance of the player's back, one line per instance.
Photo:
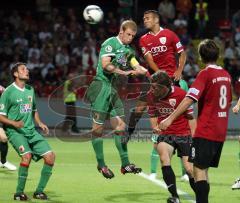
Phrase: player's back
(214, 102)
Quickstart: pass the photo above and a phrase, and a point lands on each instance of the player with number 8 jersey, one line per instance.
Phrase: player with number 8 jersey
(213, 105)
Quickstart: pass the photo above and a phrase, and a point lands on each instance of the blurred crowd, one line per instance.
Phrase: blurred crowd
(56, 42)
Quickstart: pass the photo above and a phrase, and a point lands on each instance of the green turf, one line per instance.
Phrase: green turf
(75, 178)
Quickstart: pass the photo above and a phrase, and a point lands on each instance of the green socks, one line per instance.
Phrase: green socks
(97, 144)
(122, 150)
(22, 178)
(154, 160)
(45, 175)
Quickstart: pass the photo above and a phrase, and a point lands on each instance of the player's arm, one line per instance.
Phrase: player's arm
(181, 64)
(6, 121)
(139, 70)
(182, 107)
(149, 59)
(110, 68)
(235, 109)
(40, 123)
(154, 125)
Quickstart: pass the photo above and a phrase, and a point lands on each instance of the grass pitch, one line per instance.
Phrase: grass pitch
(76, 179)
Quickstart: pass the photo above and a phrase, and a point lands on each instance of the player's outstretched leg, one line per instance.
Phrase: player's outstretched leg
(106, 172)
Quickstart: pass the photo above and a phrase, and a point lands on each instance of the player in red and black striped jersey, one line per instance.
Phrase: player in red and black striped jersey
(212, 91)
(162, 99)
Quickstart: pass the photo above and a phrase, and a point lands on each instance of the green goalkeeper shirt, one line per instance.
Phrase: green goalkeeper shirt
(19, 104)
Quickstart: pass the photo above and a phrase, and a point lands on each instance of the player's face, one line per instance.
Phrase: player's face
(127, 36)
(22, 73)
(159, 91)
(149, 20)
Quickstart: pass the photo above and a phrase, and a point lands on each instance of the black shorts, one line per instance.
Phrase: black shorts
(179, 143)
(205, 153)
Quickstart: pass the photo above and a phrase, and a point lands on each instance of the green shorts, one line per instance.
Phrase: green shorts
(34, 144)
(105, 101)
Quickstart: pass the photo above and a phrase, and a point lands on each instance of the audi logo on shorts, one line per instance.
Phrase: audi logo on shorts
(158, 49)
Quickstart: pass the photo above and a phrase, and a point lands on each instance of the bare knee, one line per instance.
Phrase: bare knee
(97, 130)
(26, 158)
(49, 158)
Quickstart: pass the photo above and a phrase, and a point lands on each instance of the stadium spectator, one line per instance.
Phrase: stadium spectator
(212, 91)
(236, 21)
(166, 10)
(201, 17)
(184, 7)
(20, 129)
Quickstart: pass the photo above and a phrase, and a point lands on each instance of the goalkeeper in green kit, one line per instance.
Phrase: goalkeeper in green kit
(116, 58)
(17, 113)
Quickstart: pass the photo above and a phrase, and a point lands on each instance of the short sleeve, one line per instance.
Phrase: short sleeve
(4, 104)
(198, 86)
(143, 46)
(176, 43)
(107, 48)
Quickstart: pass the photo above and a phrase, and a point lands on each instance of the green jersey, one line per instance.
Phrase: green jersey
(19, 104)
(121, 56)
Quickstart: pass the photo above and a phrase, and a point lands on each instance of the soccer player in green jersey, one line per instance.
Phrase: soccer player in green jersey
(116, 58)
(17, 113)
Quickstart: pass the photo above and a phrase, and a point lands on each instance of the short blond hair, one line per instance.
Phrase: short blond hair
(128, 24)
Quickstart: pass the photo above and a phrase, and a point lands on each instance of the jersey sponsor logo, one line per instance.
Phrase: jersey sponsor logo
(122, 59)
(1, 107)
(158, 49)
(178, 45)
(163, 40)
(193, 91)
(108, 48)
(25, 108)
(172, 102)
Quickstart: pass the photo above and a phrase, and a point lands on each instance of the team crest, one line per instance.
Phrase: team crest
(163, 40)
(143, 49)
(21, 148)
(108, 48)
(172, 102)
(30, 98)
(96, 116)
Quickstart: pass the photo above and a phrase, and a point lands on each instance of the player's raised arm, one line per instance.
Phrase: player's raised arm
(138, 69)
(110, 68)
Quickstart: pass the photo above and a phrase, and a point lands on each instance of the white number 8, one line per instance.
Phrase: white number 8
(223, 97)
